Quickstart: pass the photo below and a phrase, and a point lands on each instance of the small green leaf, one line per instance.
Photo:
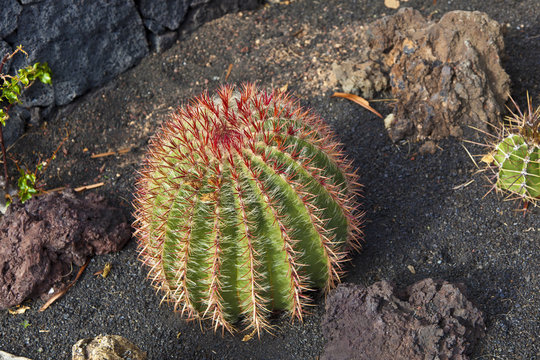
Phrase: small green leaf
(45, 78)
(16, 88)
(22, 72)
(10, 96)
(3, 117)
(26, 184)
(24, 80)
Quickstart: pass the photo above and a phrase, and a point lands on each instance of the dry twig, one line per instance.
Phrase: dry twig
(359, 100)
(62, 292)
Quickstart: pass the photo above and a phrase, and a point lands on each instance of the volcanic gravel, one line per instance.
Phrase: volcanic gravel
(422, 210)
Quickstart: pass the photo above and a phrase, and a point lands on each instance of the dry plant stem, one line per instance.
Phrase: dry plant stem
(359, 100)
(4, 61)
(62, 292)
(77, 189)
(4, 157)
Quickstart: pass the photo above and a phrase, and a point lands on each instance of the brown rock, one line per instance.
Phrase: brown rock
(106, 347)
(42, 238)
(429, 147)
(445, 75)
(7, 356)
(429, 320)
(364, 79)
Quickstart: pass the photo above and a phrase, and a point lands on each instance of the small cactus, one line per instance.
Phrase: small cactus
(244, 204)
(515, 156)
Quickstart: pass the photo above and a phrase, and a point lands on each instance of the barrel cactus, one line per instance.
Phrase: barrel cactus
(515, 156)
(243, 205)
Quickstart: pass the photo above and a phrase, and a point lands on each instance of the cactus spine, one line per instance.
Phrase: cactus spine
(244, 203)
(516, 156)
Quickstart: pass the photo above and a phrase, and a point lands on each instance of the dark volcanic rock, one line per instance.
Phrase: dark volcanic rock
(164, 18)
(160, 43)
(8, 16)
(5, 49)
(86, 43)
(162, 15)
(42, 238)
(429, 320)
(202, 11)
(15, 124)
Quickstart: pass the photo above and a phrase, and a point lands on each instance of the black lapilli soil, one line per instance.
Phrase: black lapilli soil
(424, 216)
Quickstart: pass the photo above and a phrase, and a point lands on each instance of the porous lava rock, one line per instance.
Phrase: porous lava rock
(7, 356)
(9, 15)
(428, 320)
(446, 76)
(360, 78)
(106, 347)
(160, 16)
(41, 239)
(86, 44)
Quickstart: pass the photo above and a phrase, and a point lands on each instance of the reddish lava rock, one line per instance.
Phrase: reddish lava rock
(429, 320)
(39, 240)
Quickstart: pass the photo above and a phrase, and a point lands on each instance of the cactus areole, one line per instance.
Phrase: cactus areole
(244, 203)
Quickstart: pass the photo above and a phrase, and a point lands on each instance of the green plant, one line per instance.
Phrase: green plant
(27, 184)
(11, 88)
(515, 155)
(244, 205)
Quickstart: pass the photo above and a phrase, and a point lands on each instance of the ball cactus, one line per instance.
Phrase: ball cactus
(244, 203)
(515, 156)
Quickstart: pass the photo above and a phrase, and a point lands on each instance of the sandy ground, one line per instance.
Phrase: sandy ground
(417, 213)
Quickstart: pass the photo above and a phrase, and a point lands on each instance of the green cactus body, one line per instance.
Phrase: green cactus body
(244, 203)
(517, 156)
(518, 166)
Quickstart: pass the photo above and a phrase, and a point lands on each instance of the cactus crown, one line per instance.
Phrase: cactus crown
(244, 203)
(515, 156)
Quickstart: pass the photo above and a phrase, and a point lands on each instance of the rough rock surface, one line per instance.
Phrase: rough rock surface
(364, 78)
(7, 356)
(88, 45)
(445, 75)
(42, 238)
(14, 125)
(429, 320)
(164, 18)
(4, 50)
(8, 17)
(162, 15)
(106, 347)
(202, 11)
